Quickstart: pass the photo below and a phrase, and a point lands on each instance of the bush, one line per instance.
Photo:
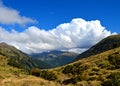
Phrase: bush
(72, 80)
(92, 78)
(107, 83)
(93, 73)
(106, 65)
(114, 59)
(35, 72)
(67, 69)
(48, 75)
(113, 80)
(95, 69)
(75, 69)
(101, 78)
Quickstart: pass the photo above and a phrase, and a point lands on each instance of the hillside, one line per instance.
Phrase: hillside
(55, 58)
(19, 59)
(102, 69)
(108, 43)
(12, 76)
(99, 70)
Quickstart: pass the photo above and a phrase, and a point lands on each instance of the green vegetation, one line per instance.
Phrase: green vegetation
(55, 58)
(114, 59)
(102, 69)
(108, 43)
(15, 63)
(14, 76)
(19, 59)
(48, 75)
(98, 70)
(35, 72)
(72, 80)
(112, 80)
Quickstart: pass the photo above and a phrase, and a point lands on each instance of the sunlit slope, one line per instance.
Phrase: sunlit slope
(101, 69)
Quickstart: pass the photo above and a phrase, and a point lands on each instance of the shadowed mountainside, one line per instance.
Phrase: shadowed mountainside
(55, 58)
(19, 59)
(108, 43)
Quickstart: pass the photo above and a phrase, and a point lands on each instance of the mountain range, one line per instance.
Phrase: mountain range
(98, 66)
(55, 58)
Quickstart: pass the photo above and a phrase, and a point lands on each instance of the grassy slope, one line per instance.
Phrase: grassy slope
(20, 59)
(94, 70)
(11, 76)
(107, 43)
(101, 69)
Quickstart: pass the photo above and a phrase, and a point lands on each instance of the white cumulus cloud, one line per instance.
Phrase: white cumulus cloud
(77, 35)
(12, 16)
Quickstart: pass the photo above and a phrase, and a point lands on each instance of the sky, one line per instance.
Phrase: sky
(35, 26)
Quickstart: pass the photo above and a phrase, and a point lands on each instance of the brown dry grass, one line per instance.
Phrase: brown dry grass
(26, 81)
(11, 76)
(94, 74)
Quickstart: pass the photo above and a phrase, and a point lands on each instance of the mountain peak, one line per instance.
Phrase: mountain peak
(3, 44)
(106, 44)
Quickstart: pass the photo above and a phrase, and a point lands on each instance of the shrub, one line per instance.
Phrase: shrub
(67, 69)
(106, 65)
(75, 69)
(107, 83)
(35, 72)
(93, 73)
(114, 59)
(101, 78)
(92, 78)
(113, 80)
(72, 80)
(48, 75)
(95, 69)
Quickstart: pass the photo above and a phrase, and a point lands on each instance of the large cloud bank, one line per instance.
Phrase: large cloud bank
(78, 35)
(12, 16)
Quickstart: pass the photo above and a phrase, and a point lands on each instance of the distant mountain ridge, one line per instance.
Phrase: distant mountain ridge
(107, 43)
(55, 58)
(98, 66)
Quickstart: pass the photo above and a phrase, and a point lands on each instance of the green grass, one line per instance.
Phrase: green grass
(12, 76)
(97, 70)
(93, 70)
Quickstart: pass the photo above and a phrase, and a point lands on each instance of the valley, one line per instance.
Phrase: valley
(98, 66)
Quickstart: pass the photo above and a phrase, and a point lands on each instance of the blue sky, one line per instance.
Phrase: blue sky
(50, 13)
(35, 26)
